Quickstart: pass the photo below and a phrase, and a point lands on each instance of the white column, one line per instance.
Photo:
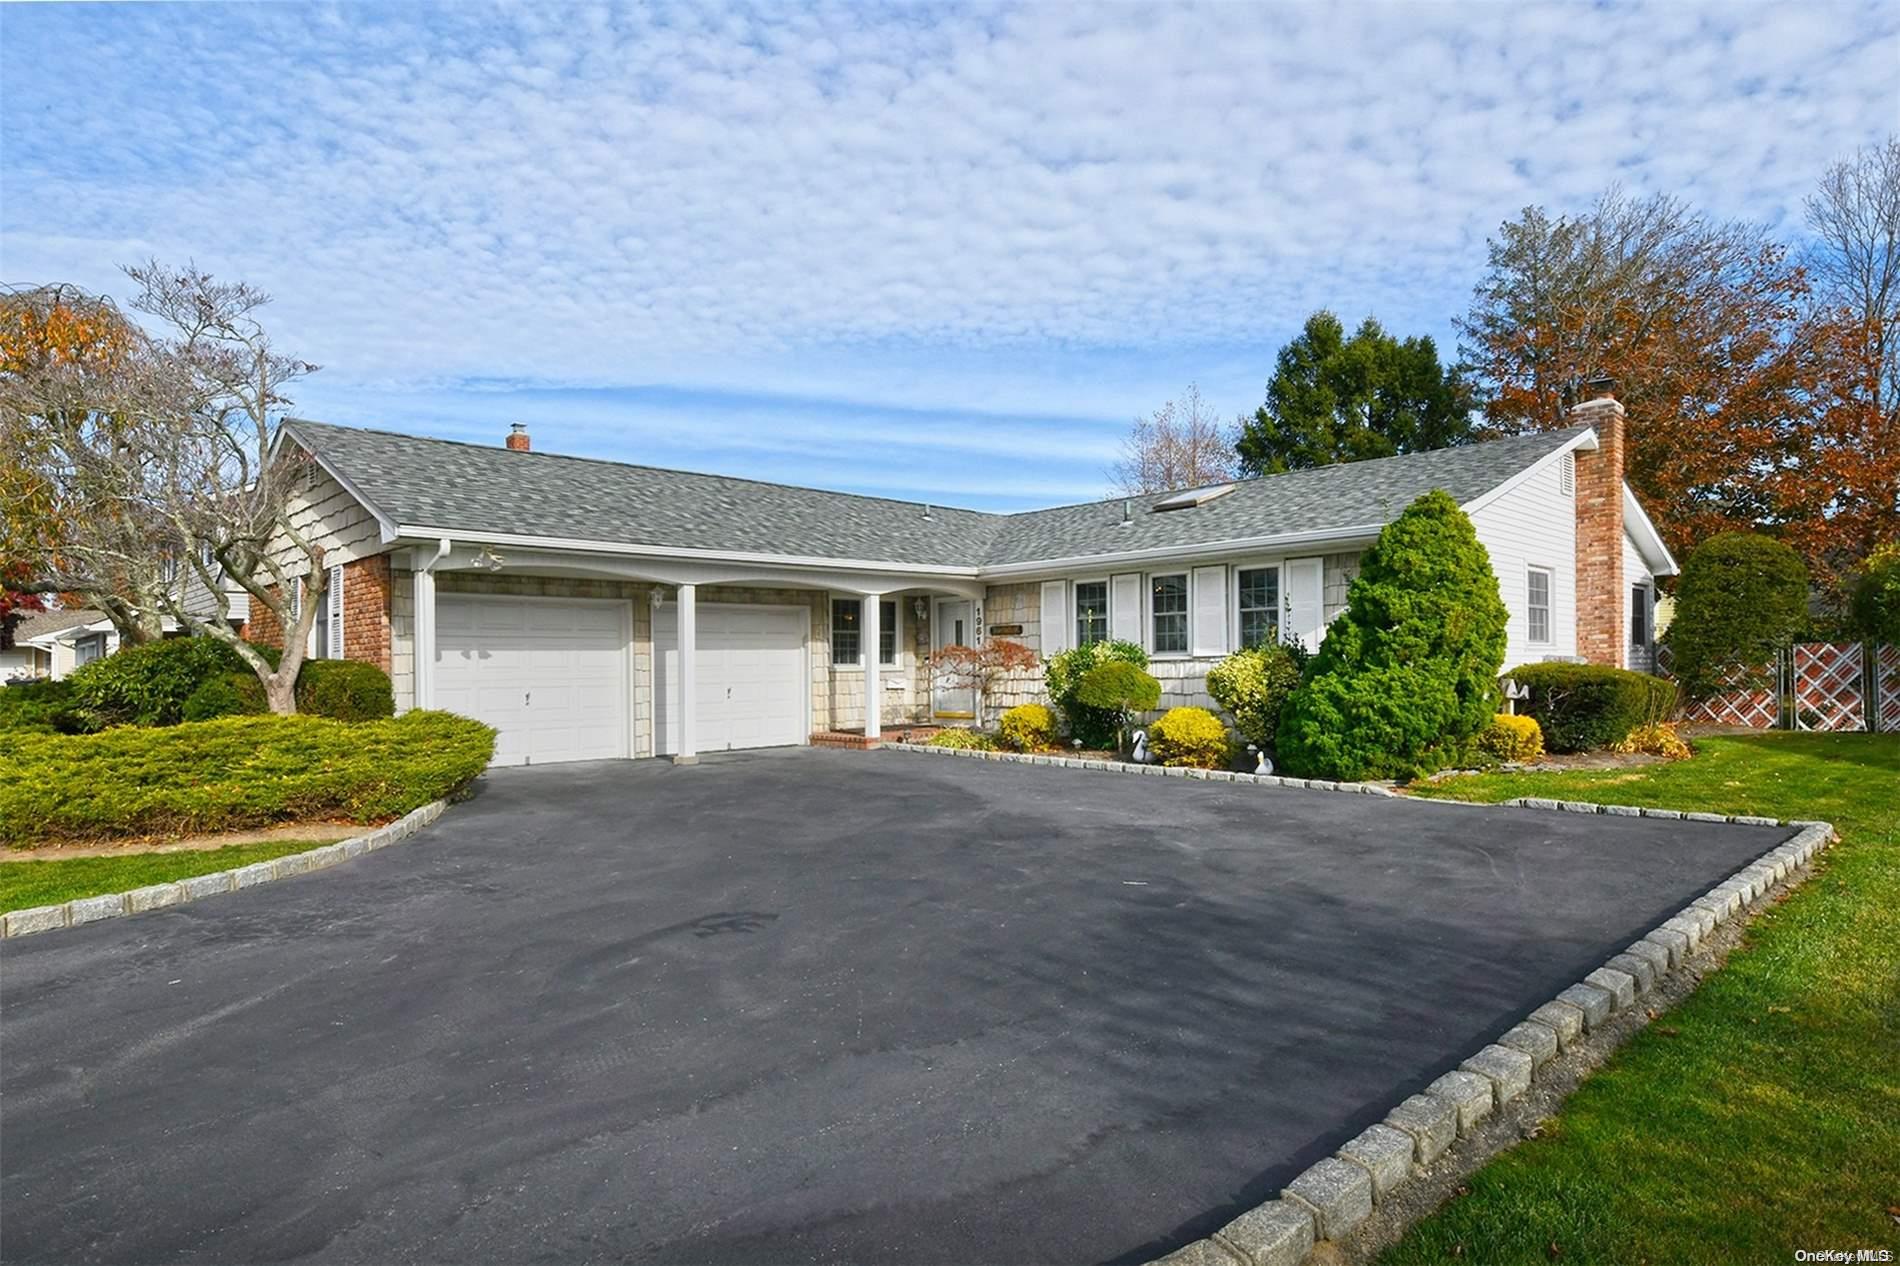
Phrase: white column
(873, 695)
(424, 638)
(688, 750)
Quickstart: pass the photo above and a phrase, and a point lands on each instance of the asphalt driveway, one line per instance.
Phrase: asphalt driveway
(793, 1006)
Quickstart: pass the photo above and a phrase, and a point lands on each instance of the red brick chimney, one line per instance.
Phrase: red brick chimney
(1602, 637)
(518, 437)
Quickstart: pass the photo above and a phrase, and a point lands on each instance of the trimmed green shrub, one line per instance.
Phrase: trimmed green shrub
(969, 740)
(1741, 599)
(1407, 675)
(225, 695)
(231, 774)
(45, 707)
(1585, 707)
(1253, 686)
(1112, 692)
(1874, 598)
(1512, 738)
(344, 689)
(148, 684)
(1193, 737)
(1062, 676)
(1028, 727)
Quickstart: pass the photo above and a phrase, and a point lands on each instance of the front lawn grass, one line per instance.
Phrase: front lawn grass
(25, 884)
(1761, 1115)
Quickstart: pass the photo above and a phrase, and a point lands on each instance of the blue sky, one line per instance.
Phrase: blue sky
(939, 252)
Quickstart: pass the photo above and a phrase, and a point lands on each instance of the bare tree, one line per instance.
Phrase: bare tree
(1180, 445)
(79, 511)
(226, 480)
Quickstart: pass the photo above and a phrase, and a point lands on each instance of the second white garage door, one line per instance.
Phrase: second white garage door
(753, 686)
(550, 674)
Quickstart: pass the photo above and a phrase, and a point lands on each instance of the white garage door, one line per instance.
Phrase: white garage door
(753, 689)
(549, 673)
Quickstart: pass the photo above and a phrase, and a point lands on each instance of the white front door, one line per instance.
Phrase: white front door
(1305, 601)
(753, 690)
(550, 674)
(952, 627)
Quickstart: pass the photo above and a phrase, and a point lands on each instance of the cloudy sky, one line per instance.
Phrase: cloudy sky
(931, 251)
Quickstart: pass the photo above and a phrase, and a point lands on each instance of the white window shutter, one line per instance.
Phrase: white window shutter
(1055, 617)
(1209, 605)
(1124, 607)
(335, 598)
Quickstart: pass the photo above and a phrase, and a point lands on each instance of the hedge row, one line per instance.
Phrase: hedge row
(231, 774)
(1584, 707)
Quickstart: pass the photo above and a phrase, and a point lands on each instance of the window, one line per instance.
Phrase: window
(847, 635)
(1639, 615)
(1168, 606)
(1091, 611)
(89, 648)
(1259, 604)
(1537, 602)
(887, 632)
(321, 634)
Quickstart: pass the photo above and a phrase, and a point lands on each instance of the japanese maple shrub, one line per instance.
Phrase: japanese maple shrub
(1408, 673)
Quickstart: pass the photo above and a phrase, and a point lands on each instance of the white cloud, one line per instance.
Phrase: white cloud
(1053, 209)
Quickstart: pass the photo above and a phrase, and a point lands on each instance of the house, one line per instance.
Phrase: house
(53, 643)
(598, 609)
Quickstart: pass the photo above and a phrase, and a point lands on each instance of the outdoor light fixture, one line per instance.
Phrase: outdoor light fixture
(487, 560)
(917, 607)
(657, 596)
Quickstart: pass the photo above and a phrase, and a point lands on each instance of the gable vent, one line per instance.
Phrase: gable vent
(1567, 474)
(1193, 497)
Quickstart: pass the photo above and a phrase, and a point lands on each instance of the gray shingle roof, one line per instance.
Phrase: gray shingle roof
(41, 623)
(477, 488)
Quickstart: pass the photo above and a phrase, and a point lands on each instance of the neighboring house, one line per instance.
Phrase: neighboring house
(596, 609)
(53, 643)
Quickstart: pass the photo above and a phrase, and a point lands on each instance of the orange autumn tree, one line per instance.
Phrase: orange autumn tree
(1701, 324)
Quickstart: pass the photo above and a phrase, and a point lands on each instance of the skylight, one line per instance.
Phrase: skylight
(1193, 497)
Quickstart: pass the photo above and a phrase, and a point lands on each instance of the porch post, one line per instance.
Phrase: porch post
(873, 695)
(688, 751)
(424, 639)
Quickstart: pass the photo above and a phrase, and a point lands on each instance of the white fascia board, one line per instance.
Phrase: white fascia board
(385, 524)
(1585, 441)
(1279, 543)
(1649, 541)
(581, 546)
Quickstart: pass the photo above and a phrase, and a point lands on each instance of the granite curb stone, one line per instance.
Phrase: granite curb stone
(1384, 1153)
(1278, 1233)
(1430, 1121)
(1338, 1192)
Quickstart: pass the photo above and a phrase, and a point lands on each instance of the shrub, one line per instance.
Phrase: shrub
(225, 695)
(1115, 690)
(1874, 597)
(1253, 686)
(344, 689)
(232, 773)
(45, 707)
(1062, 675)
(148, 684)
(1193, 737)
(1584, 707)
(1659, 738)
(1407, 675)
(969, 740)
(1029, 727)
(1741, 599)
(1512, 738)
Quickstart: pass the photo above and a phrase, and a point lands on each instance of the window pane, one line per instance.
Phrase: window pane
(846, 614)
(1639, 616)
(1537, 602)
(887, 632)
(1169, 607)
(1259, 605)
(1091, 612)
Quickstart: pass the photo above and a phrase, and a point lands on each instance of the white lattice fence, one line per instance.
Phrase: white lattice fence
(1887, 687)
(1830, 691)
(1745, 700)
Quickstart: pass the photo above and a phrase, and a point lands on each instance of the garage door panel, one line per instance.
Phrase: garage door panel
(751, 671)
(549, 674)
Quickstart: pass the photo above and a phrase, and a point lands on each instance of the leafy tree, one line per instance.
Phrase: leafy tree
(978, 668)
(1700, 323)
(1339, 399)
(1874, 606)
(1408, 673)
(1179, 446)
(1742, 597)
(1063, 674)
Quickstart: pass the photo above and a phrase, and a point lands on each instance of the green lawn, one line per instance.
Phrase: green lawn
(1763, 1114)
(24, 884)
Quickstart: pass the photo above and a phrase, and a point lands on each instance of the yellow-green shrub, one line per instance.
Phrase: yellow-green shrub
(1513, 738)
(1189, 736)
(1028, 727)
(1656, 739)
(231, 774)
(961, 738)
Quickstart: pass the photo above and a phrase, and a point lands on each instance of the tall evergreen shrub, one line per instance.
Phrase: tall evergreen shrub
(1743, 596)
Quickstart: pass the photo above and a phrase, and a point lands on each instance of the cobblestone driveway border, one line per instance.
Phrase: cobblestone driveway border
(83, 910)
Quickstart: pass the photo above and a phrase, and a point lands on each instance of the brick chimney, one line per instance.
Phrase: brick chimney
(518, 437)
(1602, 636)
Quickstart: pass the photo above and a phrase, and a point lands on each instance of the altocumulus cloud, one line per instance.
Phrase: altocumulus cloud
(883, 248)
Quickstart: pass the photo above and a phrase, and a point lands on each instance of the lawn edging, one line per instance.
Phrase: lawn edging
(1339, 1193)
(83, 910)
(1126, 767)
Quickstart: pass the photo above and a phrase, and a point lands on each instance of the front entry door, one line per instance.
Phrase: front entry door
(951, 627)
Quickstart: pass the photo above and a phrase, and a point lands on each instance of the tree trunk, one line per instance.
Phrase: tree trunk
(280, 693)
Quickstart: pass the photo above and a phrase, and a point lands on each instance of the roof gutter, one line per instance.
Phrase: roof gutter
(582, 546)
(1238, 545)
